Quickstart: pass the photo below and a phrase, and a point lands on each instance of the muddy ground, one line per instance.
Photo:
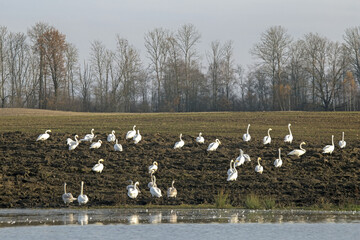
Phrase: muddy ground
(32, 173)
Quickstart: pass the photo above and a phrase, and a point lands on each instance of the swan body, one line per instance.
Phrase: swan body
(259, 168)
(342, 143)
(172, 192)
(267, 139)
(246, 136)
(240, 160)
(88, 137)
(74, 144)
(233, 176)
(98, 167)
(214, 145)
(117, 146)
(82, 199)
(43, 136)
(298, 152)
(153, 168)
(69, 141)
(180, 143)
(133, 192)
(96, 144)
(111, 137)
(329, 148)
(67, 197)
(154, 190)
(200, 139)
(137, 137)
(131, 134)
(289, 138)
(278, 162)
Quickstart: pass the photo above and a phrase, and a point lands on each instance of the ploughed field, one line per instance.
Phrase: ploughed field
(32, 173)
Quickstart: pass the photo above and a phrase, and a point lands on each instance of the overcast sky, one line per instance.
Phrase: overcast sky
(242, 21)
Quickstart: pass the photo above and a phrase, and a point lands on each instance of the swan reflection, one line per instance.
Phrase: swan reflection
(83, 219)
(133, 219)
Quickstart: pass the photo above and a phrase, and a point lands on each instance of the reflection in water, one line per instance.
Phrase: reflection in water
(234, 218)
(68, 218)
(173, 218)
(155, 219)
(83, 219)
(133, 219)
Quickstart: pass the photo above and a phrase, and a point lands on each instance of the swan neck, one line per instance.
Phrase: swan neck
(332, 140)
(65, 188)
(247, 131)
(279, 153)
(172, 184)
(343, 136)
(269, 133)
(82, 188)
(289, 129)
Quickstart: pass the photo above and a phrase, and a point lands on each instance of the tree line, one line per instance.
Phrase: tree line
(40, 69)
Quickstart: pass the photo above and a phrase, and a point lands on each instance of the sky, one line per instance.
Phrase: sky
(242, 21)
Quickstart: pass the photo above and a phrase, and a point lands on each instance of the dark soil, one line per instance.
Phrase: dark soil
(32, 173)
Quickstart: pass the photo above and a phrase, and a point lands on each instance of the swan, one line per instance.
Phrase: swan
(153, 168)
(99, 166)
(131, 134)
(111, 137)
(342, 143)
(96, 144)
(230, 170)
(180, 143)
(133, 191)
(233, 176)
(69, 141)
(82, 199)
(74, 144)
(258, 167)
(172, 192)
(88, 137)
(131, 185)
(240, 160)
(117, 146)
(137, 137)
(214, 145)
(267, 139)
(298, 152)
(43, 136)
(278, 162)
(288, 138)
(154, 190)
(151, 184)
(246, 136)
(200, 138)
(329, 148)
(67, 197)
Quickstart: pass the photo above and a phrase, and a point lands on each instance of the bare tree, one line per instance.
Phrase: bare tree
(85, 86)
(352, 43)
(215, 57)
(3, 68)
(71, 60)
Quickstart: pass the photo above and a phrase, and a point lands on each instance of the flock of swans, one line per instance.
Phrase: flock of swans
(133, 188)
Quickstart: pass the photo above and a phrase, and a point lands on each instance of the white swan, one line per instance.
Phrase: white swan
(131, 134)
(151, 183)
(267, 139)
(180, 143)
(67, 197)
(74, 144)
(111, 137)
(214, 145)
(43, 136)
(69, 141)
(233, 176)
(259, 168)
(137, 137)
(230, 170)
(133, 191)
(96, 144)
(117, 146)
(329, 148)
(298, 152)
(153, 168)
(200, 138)
(246, 136)
(98, 167)
(240, 160)
(172, 192)
(278, 162)
(82, 199)
(88, 137)
(288, 138)
(342, 143)
(154, 190)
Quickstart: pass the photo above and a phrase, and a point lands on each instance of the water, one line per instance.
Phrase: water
(177, 224)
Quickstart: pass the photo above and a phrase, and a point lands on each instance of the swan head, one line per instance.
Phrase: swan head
(101, 160)
(270, 129)
(218, 141)
(100, 141)
(155, 163)
(303, 143)
(113, 131)
(289, 124)
(200, 134)
(137, 183)
(47, 131)
(180, 135)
